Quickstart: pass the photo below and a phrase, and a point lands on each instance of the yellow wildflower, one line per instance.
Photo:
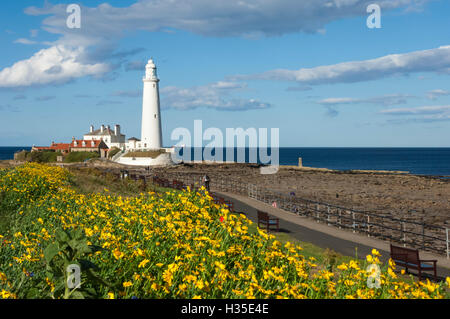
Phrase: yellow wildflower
(127, 284)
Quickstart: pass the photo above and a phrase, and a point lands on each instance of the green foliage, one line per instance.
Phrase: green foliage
(71, 248)
(43, 157)
(76, 157)
(87, 180)
(21, 156)
(38, 157)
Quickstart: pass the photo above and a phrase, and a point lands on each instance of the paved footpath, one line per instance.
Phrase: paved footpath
(324, 236)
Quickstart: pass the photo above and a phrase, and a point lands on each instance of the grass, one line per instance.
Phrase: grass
(91, 180)
(76, 157)
(5, 221)
(38, 157)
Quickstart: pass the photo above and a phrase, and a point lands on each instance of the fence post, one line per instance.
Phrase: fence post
(368, 226)
(317, 212)
(328, 215)
(448, 251)
(403, 234)
(354, 222)
(340, 220)
(423, 235)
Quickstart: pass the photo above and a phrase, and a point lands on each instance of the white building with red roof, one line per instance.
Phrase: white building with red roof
(112, 138)
(98, 146)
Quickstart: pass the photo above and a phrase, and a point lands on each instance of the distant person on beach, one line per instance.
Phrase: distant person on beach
(206, 181)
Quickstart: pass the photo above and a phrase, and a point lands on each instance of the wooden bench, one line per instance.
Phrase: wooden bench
(265, 219)
(217, 199)
(177, 185)
(221, 201)
(409, 258)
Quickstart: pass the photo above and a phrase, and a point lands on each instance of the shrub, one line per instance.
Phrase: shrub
(43, 157)
(21, 156)
(75, 157)
(38, 157)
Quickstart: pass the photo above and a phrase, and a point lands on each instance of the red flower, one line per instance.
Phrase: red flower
(221, 219)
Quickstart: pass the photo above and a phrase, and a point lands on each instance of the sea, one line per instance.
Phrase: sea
(418, 161)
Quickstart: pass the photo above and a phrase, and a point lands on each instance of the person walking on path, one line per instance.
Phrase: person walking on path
(206, 181)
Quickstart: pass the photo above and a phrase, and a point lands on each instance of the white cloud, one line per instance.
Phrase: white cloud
(434, 94)
(25, 41)
(214, 95)
(384, 100)
(224, 85)
(421, 114)
(422, 110)
(216, 17)
(57, 64)
(104, 25)
(433, 60)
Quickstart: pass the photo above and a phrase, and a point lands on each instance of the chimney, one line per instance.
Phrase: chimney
(92, 129)
(117, 130)
(109, 128)
(102, 128)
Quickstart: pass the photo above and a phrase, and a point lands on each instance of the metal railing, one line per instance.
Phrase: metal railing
(118, 155)
(415, 234)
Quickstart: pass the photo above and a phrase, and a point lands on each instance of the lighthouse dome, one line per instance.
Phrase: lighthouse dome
(150, 70)
(151, 63)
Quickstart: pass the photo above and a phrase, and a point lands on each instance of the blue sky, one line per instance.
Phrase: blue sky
(311, 68)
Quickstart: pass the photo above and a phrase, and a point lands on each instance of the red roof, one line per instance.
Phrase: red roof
(88, 144)
(54, 147)
(60, 146)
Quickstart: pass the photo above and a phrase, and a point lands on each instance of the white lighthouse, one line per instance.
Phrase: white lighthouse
(151, 134)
